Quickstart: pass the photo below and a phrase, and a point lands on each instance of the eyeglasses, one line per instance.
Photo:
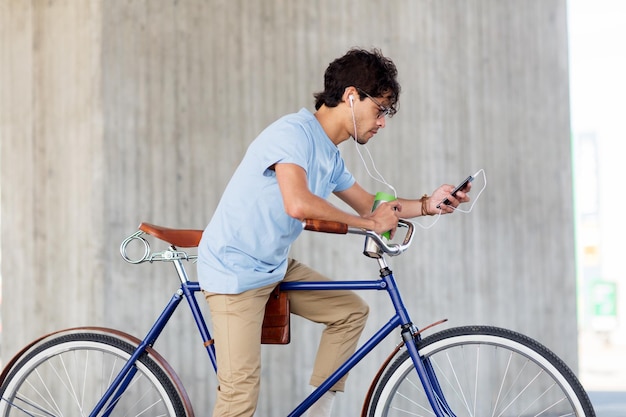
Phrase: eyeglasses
(383, 111)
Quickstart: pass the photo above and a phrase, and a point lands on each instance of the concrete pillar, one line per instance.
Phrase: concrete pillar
(118, 112)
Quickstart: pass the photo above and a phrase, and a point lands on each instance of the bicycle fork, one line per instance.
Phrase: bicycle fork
(426, 373)
(410, 336)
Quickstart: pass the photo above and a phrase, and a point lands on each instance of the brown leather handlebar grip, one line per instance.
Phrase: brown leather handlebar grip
(325, 226)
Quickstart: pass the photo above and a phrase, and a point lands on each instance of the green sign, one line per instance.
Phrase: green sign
(604, 299)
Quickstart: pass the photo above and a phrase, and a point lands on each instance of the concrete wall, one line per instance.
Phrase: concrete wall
(116, 112)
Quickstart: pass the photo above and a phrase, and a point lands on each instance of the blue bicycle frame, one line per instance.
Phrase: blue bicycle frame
(400, 319)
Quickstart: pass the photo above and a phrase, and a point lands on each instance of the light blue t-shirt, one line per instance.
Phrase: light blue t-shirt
(246, 243)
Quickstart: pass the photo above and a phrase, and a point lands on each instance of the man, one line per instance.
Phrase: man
(286, 175)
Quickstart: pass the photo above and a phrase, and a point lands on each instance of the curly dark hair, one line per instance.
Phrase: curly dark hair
(369, 71)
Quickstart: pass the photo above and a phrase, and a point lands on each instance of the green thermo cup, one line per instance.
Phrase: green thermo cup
(383, 197)
(371, 247)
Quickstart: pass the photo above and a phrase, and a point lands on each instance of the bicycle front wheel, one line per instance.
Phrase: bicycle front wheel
(483, 371)
(68, 373)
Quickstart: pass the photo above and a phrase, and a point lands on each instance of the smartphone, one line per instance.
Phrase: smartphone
(458, 188)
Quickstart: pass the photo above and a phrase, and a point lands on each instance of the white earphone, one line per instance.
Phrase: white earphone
(351, 98)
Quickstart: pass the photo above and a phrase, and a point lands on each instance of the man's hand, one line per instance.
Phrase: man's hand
(441, 194)
(385, 217)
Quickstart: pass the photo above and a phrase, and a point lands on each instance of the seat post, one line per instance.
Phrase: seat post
(180, 269)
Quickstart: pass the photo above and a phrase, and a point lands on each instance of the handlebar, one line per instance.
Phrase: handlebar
(391, 249)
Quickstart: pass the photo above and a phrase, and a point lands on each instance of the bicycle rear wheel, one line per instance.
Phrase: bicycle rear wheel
(483, 371)
(67, 373)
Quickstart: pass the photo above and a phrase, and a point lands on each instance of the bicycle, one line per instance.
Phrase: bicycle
(464, 371)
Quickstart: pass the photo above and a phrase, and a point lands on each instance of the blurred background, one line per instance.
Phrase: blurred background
(598, 103)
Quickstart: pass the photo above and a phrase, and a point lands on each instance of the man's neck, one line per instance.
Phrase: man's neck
(332, 121)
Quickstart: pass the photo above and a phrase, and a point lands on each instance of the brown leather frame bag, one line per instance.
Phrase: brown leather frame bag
(276, 323)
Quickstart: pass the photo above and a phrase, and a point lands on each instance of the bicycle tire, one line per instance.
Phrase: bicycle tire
(66, 374)
(524, 378)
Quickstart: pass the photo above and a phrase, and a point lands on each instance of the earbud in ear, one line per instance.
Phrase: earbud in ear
(351, 98)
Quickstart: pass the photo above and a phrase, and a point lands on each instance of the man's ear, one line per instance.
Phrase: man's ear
(350, 95)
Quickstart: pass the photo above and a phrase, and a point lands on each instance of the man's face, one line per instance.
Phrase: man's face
(370, 115)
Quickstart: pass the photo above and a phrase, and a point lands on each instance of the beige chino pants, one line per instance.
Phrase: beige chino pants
(237, 320)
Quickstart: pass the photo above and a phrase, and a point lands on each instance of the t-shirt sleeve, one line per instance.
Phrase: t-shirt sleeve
(287, 144)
